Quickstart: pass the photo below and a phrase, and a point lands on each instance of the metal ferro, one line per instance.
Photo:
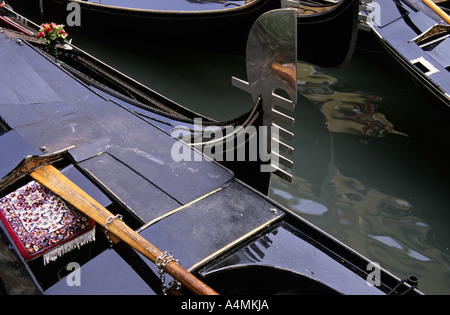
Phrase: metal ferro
(272, 75)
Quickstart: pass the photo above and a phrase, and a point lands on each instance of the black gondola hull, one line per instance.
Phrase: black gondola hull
(396, 25)
(325, 38)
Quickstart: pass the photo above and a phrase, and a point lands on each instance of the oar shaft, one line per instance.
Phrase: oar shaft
(59, 184)
(438, 10)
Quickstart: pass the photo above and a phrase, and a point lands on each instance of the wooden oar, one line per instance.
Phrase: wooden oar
(438, 10)
(59, 184)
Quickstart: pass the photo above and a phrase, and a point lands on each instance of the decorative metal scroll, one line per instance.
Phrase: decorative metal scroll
(272, 75)
(29, 165)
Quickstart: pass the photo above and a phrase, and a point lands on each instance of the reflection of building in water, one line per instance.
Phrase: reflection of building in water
(381, 227)
(363, 209)
(346, 112)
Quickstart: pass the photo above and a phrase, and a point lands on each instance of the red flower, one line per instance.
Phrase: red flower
(40, 34)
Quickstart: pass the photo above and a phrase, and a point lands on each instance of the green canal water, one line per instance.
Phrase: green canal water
(371, 148)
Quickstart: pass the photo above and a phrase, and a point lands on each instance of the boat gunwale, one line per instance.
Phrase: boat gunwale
(90, 5)
(229, 12)
(430, 85)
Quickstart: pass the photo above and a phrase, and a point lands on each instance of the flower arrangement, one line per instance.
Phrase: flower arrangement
(54, 34)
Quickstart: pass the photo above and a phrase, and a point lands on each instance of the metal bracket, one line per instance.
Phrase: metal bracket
(272, 75)
(365, 8)
(161, 263)
(108, 222)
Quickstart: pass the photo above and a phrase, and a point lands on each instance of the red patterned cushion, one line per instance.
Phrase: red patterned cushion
(41, 223)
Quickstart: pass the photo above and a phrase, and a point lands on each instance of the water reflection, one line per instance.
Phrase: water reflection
(362, 180)
(351, 112)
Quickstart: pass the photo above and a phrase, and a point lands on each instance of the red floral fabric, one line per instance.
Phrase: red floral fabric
(38, 220)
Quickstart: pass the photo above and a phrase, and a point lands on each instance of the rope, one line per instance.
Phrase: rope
(90, 81)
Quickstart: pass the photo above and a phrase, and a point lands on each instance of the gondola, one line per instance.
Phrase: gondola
(133, 217)
(417, 37)
(211, 25)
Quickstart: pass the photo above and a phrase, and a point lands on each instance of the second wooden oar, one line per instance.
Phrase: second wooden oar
(438, 10)
(59, 184)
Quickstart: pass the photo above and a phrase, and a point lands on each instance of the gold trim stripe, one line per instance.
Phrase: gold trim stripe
(235, 242)
(142, 228)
